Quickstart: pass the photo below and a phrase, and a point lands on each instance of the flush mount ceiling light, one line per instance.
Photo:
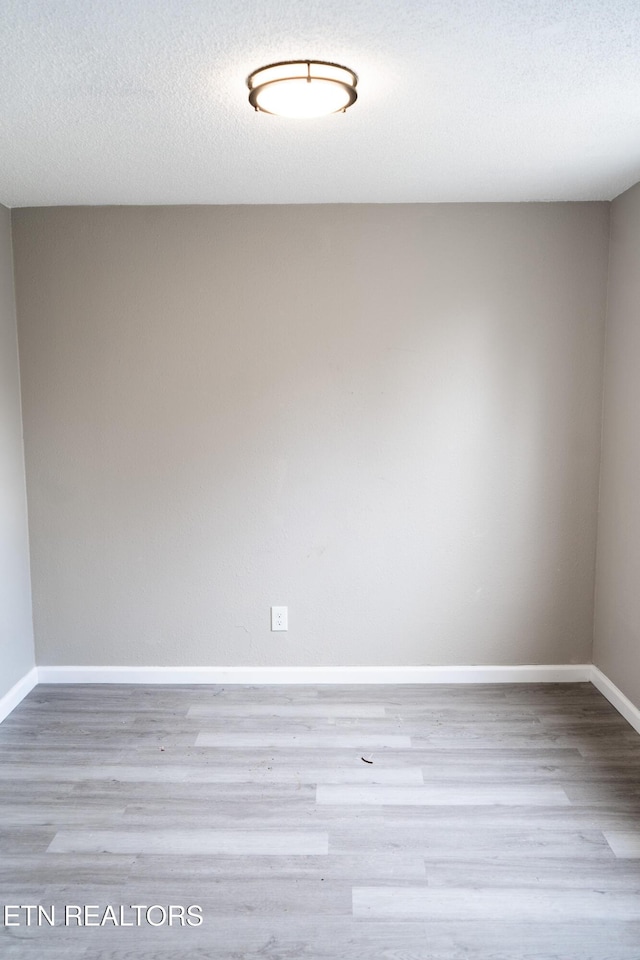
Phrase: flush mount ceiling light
(302, 88)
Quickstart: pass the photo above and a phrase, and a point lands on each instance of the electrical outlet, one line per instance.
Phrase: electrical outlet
(279, 618)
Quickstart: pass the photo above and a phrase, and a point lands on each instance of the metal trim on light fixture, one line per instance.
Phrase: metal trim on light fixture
(304, 73)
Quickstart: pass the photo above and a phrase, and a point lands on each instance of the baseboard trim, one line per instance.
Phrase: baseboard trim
(616, 697)
(530, 673)
(17, 693)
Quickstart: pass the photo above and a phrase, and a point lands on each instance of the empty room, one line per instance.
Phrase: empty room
(320, 480)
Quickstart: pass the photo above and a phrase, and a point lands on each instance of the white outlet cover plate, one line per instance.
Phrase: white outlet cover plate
(279, 618)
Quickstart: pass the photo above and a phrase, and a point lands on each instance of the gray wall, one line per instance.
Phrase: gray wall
(617, 621)
(385, 417)
(16, 630)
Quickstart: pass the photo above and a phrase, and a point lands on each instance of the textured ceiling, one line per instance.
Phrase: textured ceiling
(143, 101)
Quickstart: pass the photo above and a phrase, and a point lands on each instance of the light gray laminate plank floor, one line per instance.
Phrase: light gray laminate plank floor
(490, 823)
(625, 843)
(448, 795)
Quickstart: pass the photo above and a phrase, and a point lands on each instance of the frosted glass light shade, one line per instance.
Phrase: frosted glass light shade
(302, 88)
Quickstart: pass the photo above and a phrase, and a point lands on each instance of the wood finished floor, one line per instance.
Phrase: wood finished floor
(493, 823)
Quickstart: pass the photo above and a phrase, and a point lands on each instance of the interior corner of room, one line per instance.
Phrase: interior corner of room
(320, 480)
(417, 430)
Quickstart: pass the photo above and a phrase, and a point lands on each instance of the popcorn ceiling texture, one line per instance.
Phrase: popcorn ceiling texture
(144, 101)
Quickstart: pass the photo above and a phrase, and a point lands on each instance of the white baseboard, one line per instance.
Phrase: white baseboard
(17, 693)
(529, 673)
(533, 673)
(616, 697)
